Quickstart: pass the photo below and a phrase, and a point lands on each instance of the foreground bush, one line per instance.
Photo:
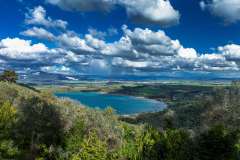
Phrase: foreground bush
(8, 148)
(167, 145)
(39, 126)
(218, 143)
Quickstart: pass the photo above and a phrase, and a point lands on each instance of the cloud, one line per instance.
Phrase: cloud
(151, 65)
(40, 33)
(103, 34)
(96, 44)
(65, 39)
(154, 11)
(154, 43)
(215, 62)
(96, 33)
(129, 63)
(83, 5)
(230, 51)
(16, 48)
(146, 50)
(228, 10)
(74, 43)
(99, 67)
(187, 53)
(123, 47)
(202, 5)
(143, 11)
(142, 44)
(37, 16)
(19, 52)
(57, 70)
(138, 50)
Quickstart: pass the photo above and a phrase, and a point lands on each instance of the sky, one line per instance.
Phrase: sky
(120, 38)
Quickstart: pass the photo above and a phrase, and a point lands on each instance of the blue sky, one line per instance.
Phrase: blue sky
(120, 37)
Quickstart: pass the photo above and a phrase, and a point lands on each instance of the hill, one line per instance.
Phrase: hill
(37, 125)
(190, 107)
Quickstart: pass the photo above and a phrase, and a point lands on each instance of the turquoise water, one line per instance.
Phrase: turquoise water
(122, 104)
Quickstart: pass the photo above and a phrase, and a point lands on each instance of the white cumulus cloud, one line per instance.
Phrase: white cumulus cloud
(37, 16)
(73, 42)
(144, 11)
(230, 51)
(21, 49)
(154, 11)
(37, 32)
(228, 10)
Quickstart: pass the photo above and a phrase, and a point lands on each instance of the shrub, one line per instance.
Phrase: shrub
(9, 76)
(8, 149)
(7, 117)
(217, 144)
(167, 145)
(92, 148)
(39, 126)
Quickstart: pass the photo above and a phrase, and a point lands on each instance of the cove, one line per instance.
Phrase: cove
(124, 105)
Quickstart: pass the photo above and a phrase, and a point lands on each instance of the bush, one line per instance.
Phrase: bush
(7, 117)
(217, 144)
(75, 138)
(92, 148)
(9, 76)
(167, 145)
(39, 127)
(8, 149)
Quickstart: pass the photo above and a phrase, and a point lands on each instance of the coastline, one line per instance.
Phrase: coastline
(168, 94)
(156, 106)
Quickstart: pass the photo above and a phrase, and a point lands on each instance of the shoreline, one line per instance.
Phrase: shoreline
(167, 94)
(159, 104)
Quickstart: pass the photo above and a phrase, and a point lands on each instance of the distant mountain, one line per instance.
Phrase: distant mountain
(53, 78)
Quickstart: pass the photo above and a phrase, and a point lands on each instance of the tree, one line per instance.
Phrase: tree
(7, 116)
(8, 148)
(150, 149)
(39, 127)
(172, 144)
(9, 76)
(217, 144)
(92, 148)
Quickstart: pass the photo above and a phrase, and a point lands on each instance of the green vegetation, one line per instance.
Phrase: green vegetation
(39, 126)
(169, 93)
(36, 125)
(9, 76)
(196, 108)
